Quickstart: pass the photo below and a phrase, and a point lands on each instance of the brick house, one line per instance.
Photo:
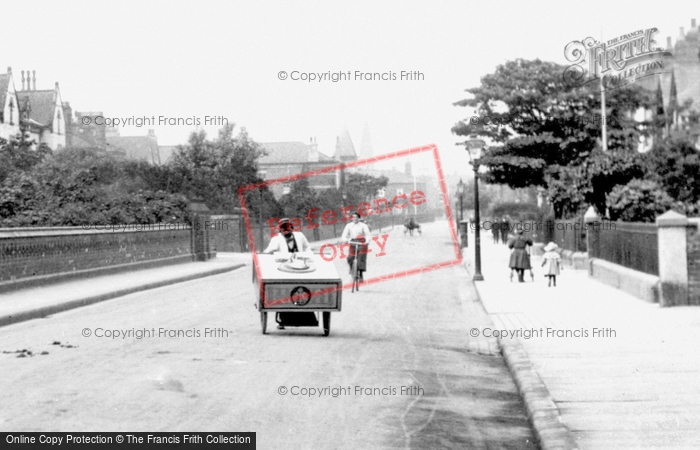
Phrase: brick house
(292, 158)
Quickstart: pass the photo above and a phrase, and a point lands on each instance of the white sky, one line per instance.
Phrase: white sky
(222, 58)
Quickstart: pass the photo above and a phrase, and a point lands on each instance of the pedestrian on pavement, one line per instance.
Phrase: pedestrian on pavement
(505, 228)
(551, 261)
(519, 257)
(495, 230)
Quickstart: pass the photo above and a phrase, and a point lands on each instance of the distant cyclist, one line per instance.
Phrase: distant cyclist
(357, 232)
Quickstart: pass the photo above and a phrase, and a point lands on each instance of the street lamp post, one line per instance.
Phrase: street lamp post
(463, 236)
(474, 147)
(460, 191)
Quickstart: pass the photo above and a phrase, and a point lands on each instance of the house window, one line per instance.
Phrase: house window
(58, 122)
(12, 109)
(286, 189)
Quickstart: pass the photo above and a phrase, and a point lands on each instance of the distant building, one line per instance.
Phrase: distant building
(85, 131)
(344, 148)
(679, 82)
(42, 114)
(9, 106)
(292, 158)
(684, 65)
(406, 182)
(138, 148)
(366, 150)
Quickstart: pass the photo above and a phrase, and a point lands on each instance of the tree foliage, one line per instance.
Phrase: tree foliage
(214, 170)
(359, 188)
(546, 132)
(84, 187)
(639, 201)
(88, 186)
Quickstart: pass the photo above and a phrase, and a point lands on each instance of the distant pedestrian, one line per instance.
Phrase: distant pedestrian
(505, 228)
(519, 257)
(551, 261)
(495, 230)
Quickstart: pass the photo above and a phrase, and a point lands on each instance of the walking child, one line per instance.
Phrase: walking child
(551, 261)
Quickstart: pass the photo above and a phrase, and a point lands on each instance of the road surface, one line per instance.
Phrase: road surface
(397, 350)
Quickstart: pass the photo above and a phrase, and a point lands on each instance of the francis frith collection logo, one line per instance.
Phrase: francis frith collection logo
(616, 62)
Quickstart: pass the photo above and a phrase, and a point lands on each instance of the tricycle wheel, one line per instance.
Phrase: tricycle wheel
(263, 321)
(326, 323)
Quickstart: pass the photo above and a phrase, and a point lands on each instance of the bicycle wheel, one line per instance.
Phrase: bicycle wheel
(355, 276)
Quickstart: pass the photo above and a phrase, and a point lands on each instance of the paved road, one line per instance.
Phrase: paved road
(410, 333)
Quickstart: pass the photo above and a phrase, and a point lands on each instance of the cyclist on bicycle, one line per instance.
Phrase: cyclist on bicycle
(357, 232)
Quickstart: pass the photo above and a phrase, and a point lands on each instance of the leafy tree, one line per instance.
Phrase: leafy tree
(360, 187)
(83, 187)
(573, 188)
(639, 201)
(215, 170)
(675, 165)
(19, 154)
(544, 128)
(300, 199)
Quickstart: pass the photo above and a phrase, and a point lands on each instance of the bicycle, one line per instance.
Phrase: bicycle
(356, 246)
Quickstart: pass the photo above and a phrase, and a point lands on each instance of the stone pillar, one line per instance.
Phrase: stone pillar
(199, 214)
(673, 259)
(592, 220)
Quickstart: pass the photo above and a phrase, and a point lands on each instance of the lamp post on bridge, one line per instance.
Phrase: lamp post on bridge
(460, 225)
(474, 147)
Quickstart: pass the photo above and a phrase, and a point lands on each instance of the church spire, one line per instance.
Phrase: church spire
(659, 114)
(673, 102)
(366, 144)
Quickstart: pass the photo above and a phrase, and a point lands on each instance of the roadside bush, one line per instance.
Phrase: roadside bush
(640, 201)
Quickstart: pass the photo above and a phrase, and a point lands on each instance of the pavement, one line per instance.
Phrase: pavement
(42, 301)
(597, 368)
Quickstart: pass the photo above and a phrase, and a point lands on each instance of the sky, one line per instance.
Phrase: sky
(201, 58)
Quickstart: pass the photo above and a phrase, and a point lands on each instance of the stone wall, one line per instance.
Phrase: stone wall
(225, 233)
(27, 253)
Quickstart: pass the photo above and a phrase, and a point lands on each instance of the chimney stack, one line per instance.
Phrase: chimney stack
(313, 151)
(9, 70)
(692, 24)
(23, 80)
(682, 32)
(34, 79)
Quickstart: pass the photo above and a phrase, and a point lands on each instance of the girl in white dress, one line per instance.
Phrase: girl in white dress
(551, 261)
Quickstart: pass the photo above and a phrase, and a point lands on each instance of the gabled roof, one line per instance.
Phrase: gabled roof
(42, 105)
(344, 149)
(289, 153)
(4, 82)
